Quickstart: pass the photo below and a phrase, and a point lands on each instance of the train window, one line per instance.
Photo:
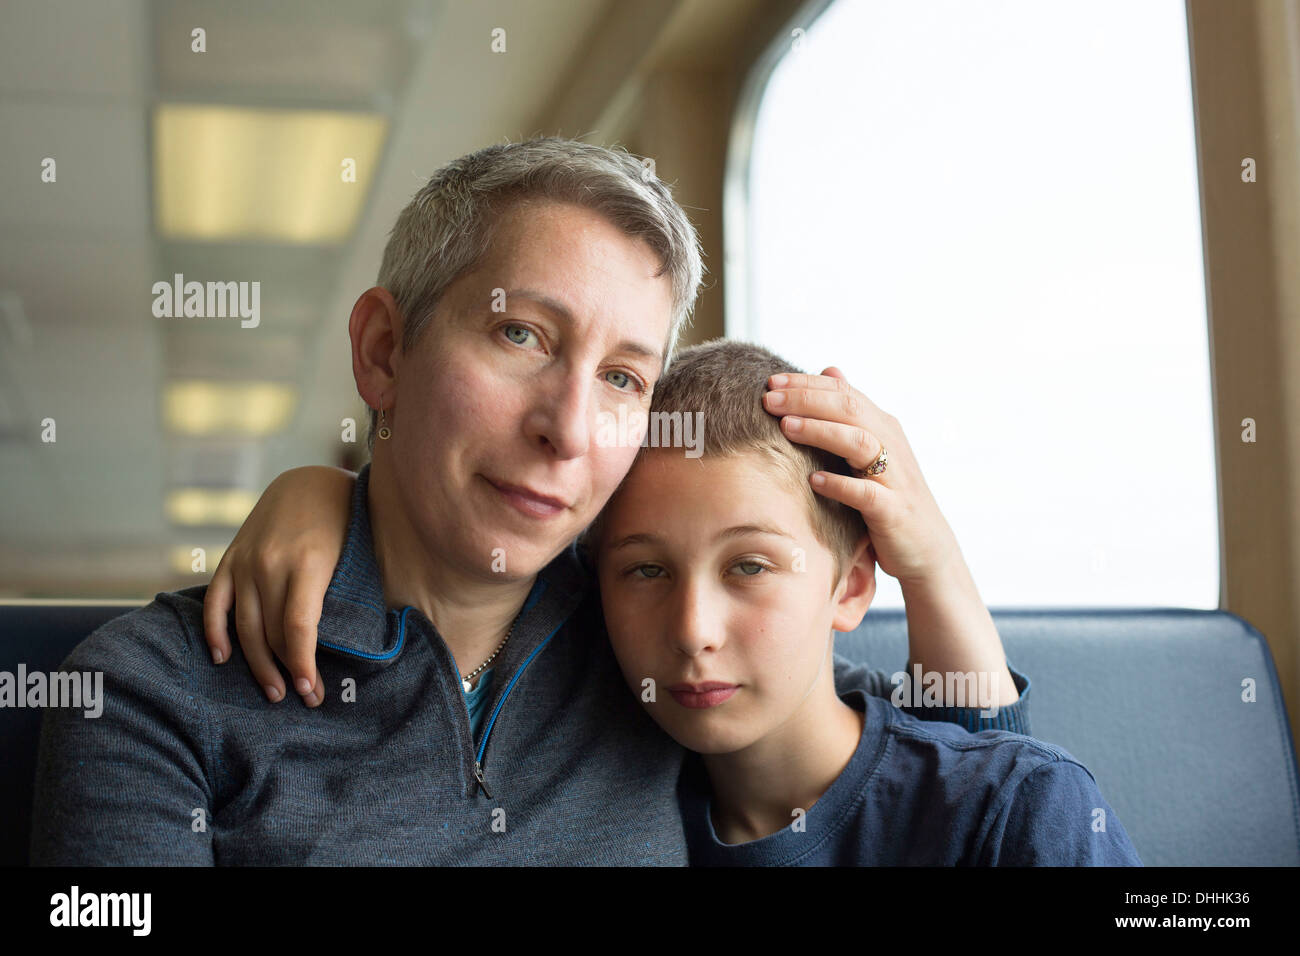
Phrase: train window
(987, 215)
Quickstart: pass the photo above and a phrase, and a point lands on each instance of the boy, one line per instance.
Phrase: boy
(722, 580)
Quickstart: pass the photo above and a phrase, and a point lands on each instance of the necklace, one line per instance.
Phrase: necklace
(466, 680)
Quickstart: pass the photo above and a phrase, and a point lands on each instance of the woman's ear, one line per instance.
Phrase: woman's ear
(376, 332)
(857, 587)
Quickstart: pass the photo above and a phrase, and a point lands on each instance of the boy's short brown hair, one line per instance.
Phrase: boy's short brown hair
(726, 380)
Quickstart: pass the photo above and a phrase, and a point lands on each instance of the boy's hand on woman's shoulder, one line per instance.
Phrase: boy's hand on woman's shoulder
(275, 575)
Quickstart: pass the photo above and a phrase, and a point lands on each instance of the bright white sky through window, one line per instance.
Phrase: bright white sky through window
(986, 213)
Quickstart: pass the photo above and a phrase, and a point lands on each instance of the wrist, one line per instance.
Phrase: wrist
(947, 568)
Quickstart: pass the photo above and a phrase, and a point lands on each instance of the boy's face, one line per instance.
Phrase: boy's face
(710, 573)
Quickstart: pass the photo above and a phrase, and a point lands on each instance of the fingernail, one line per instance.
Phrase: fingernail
(272, 693)
(779, 380)
(217, 656)
(776, 399)
(818, 479)
(304, 686)
(793, 422)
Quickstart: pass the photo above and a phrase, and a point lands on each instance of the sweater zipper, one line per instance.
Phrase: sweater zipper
(479, 781)
(482, 747)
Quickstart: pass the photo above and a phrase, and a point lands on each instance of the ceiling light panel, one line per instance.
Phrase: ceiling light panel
(224, 173)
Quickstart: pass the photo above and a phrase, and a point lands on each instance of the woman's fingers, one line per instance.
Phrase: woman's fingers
(848, 406)
(248, 623)
(830, 380)
(838, 402)
(854, 444)
(870, 498)
(217, 602)
(804, 380)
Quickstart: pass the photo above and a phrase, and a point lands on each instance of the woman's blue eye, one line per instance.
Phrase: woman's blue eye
(658, 571)
(518, 328)
(627, 379)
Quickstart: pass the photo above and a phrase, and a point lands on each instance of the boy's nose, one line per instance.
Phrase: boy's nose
(695, 623)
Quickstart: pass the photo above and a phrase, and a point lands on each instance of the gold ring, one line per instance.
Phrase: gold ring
(877, 467)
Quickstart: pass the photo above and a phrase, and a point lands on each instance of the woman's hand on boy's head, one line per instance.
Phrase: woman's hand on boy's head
(909, 535)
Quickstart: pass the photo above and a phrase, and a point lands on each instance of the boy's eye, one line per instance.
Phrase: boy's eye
(519, 334)
(658, 571)
(750, 568)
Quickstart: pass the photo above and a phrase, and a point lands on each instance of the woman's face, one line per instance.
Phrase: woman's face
(497, 408)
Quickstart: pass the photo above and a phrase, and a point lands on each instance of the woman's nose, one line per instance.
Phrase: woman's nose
(561, 418)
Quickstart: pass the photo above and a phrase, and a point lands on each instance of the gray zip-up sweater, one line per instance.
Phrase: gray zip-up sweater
(191, 764)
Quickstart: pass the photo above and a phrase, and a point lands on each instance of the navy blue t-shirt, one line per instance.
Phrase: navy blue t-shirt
(925, 793)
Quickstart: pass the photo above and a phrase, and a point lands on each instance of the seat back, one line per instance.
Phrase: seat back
(38, 636)
(1151, 701)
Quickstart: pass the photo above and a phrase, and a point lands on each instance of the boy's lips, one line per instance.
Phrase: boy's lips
(703, 695)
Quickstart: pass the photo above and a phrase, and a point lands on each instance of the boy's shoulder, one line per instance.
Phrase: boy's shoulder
(952, 749)
(990, 797)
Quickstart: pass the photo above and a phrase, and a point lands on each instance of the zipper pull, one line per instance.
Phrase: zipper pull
(478, 775)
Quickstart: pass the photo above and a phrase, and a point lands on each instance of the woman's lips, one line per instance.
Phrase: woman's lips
(529, 502)
(702, 696)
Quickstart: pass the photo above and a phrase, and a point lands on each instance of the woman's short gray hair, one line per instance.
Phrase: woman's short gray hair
(449, 225)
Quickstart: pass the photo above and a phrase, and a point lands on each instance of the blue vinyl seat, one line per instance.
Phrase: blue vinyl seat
(1151, 702)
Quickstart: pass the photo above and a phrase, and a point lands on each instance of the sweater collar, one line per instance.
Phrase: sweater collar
(355, 619)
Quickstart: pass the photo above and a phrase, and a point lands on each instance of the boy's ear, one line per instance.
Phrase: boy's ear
(857, 587)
